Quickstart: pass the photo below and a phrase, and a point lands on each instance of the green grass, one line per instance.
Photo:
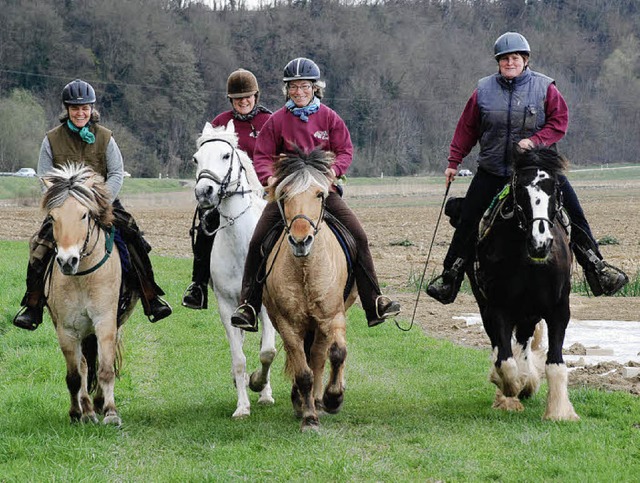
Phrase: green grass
(416, 409)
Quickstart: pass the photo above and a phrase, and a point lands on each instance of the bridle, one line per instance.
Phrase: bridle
(108, 245)
(315, 225)
(523, 221)
(224, 184)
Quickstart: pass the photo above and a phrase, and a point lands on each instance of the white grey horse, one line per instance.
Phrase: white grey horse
(226, 181)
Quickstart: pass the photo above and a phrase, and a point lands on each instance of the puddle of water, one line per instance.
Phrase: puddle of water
(620, 337)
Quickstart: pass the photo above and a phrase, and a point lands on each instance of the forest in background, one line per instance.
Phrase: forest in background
(398, 72)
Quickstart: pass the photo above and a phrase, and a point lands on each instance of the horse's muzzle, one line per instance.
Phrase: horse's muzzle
(301, 248)
(68, 265)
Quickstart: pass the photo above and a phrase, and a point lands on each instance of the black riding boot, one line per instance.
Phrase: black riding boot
(196, 295)
(41, 250)
(446, 286)
(603, 278)
(155, 308)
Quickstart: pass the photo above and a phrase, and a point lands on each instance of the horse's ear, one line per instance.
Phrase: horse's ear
(208, 128)
(230, 126)
(47, 184)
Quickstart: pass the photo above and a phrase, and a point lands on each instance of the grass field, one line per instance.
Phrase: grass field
(416, 409)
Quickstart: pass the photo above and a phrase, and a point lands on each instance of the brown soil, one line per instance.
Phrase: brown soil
(400, 219)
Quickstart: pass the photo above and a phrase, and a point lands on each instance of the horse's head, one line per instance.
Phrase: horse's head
(537, 196)
(302, 185)
(77, 202)
(221, 165)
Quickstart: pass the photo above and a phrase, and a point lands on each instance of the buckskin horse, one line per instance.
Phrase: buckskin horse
(305, 286)
(226, 181)
(84, 289)
(523, 275)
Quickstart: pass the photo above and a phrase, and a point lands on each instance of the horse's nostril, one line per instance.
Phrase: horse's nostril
(74, 261)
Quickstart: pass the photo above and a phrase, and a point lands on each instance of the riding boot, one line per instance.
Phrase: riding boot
(603, 278)
(196, 295)
(445, 287)
(155, 308)
(245, 317)
(41, 251)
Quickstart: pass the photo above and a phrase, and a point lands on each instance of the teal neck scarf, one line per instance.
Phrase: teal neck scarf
(86, 135)
(304, 112)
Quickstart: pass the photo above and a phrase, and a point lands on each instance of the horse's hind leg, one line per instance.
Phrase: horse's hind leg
(260, 378)
(334, 391)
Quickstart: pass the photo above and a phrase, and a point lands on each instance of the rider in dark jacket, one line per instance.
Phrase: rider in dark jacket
(515, 105)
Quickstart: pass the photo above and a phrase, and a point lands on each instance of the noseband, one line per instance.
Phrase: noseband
(302, 216)
(523, 221)
(226, 181)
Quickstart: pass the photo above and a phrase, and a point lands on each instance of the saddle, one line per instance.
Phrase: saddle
(342, 234)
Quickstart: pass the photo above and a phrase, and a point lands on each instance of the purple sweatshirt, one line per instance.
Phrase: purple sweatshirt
(283, 131)
(247, 130)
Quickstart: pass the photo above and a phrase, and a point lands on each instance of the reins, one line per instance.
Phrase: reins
(424, 271)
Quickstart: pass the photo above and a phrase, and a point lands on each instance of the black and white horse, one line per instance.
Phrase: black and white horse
(523, 275)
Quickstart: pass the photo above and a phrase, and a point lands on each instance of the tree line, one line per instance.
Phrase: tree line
(398, 72)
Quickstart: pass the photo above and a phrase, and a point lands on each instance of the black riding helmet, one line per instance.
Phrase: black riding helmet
(301, 69)
(78, 92)
(509, 43)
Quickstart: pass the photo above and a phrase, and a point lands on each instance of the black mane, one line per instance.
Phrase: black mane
(540, 157)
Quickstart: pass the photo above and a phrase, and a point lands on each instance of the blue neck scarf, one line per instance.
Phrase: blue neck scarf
(304, 112)
(86, 135)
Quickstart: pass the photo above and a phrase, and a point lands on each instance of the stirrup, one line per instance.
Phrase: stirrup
(245, 318)
(195, 296)
(444, 288)
(27, 319)
(605, 279)
(385, 308)
(159, 309)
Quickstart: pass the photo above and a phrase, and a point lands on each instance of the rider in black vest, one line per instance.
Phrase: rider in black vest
(80, 138)
(515, 105)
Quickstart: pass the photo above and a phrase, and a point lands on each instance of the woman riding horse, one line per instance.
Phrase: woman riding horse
(80, 138)
(514, 105)
(304, 123)
(248, 118)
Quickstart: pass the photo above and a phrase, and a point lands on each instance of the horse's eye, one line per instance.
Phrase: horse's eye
(195, 161)
(226, 156)
(84, 216)
(320, 195)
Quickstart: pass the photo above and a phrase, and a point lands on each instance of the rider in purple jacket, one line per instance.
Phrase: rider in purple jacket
(307, 124)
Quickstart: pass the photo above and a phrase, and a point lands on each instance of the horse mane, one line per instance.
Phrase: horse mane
(82, 183)
(296, 173)
(231, 136)
(540, 157)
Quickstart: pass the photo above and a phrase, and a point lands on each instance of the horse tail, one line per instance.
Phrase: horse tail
(90, 353)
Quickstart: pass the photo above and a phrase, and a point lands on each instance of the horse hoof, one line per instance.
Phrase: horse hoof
(255, 382)
(267, 400)
(507, 403)
(112, 420)
(310, 423)
(332, 403)
(89, 418)
(241, 413)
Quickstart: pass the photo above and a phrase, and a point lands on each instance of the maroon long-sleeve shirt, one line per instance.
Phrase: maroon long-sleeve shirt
(468, 133)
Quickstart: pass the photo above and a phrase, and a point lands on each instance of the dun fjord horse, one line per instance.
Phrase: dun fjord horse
(304, 289)
(226, 181)
(524, 275)
(84, 289)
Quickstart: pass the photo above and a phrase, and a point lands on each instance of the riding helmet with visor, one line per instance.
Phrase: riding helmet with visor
(509, 43)
(242, 83)
(78, 92)
(301, 69)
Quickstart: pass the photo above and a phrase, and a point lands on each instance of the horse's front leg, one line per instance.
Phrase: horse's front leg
(71, 350)
(334, 391)
(235, 337)
(106, 333)
(504, 373)
(559, 407)
(260, 378)
(302, 391)
(529, 354)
